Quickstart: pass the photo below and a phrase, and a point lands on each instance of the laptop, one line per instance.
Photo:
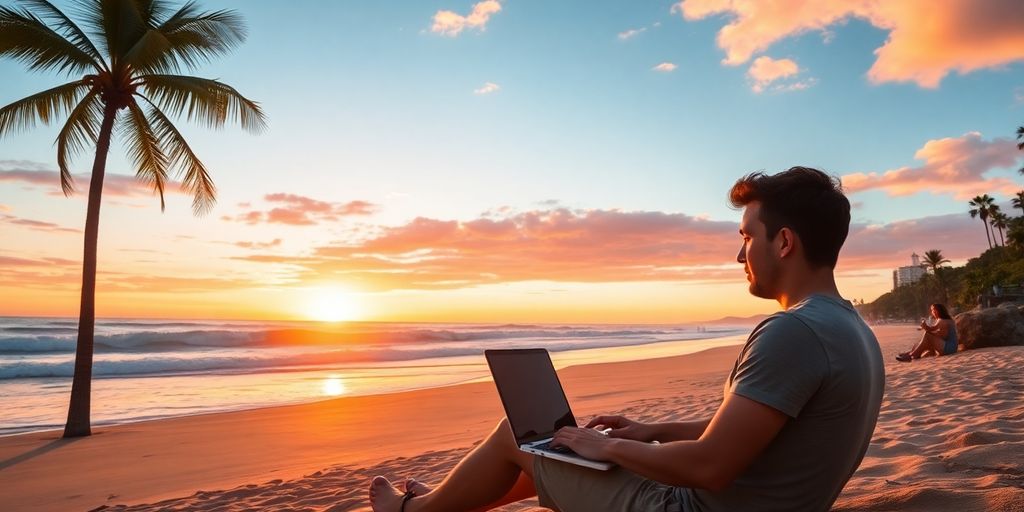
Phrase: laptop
(535, 403)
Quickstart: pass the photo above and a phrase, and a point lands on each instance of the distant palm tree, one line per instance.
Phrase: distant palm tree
(1020, 145)
(127, 60)
(999, 220)
(1018, 200)
(981, 206)
(933, 259)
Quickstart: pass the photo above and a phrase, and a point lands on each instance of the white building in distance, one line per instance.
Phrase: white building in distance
(910, 274)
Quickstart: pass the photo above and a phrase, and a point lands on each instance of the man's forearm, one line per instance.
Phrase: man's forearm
(678, 431)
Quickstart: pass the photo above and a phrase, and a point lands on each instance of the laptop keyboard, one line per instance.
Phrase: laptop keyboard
(546, 446)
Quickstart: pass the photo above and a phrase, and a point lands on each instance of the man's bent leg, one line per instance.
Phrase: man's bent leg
(566, 487)
(483, 478)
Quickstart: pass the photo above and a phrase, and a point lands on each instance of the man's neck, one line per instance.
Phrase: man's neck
(804, 284)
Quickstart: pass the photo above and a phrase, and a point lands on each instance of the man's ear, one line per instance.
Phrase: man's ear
(785, 242)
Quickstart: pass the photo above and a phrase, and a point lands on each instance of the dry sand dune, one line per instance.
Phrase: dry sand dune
(950, 437)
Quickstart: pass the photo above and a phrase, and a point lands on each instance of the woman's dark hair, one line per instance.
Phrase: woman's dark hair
(943, 312)
(806, 200)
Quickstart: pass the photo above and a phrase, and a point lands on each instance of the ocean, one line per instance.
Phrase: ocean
(152, 369)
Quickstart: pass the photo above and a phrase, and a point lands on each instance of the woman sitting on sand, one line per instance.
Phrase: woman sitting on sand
(939, 338)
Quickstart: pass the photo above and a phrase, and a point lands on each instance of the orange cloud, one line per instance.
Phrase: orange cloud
(557, 245)
(665, 67)
(259, 245)
(927, 39)
(592, 246)
(119, 185)
(954, 166)
(957, 235)
(765, 71)
(450, 23)
(65, 275)
(302, 211)
(11, 262)
(40, 273)
(36, 225)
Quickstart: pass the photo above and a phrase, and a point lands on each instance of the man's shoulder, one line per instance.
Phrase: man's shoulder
(784, 335)
(782, 323)
(829, 317)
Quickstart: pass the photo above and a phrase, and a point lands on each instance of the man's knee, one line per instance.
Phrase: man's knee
(503, 433)
(503, 426)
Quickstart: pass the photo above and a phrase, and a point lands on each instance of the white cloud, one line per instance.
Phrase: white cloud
(487, 88)
(631, 33)
(665, 67)
(450, 23)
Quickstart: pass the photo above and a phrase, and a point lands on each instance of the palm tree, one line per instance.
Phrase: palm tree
(1018, 200)
(999, 220)
(933, 259)
(981, 206)
(1020, 145)
(126, 62)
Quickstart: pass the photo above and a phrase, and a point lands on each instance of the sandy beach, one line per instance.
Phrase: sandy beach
(950, 437)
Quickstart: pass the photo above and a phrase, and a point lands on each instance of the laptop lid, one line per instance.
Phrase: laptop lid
(531, 393)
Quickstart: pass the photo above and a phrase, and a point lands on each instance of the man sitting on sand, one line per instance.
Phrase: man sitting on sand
(800, 404)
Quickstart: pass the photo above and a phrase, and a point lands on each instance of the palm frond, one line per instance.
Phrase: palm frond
(209, 102)
(79, 132)
(153, 12)
(143, 148)
(152, 51)
(195, 178)
(194, 38)
(90, 16)
(68, 28)
(186, 39)
(224, 28)
(117, 24)
(41, 107)
(26, 38)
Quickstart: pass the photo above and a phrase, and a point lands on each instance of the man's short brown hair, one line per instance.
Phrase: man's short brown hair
(806, 200)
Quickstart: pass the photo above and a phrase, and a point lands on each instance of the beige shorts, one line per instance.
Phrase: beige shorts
(567, 487)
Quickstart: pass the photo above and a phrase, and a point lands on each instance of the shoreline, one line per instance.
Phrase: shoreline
(940, 444)
(475, 371)
(169, 458)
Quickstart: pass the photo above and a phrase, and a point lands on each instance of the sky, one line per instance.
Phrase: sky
(529, 161)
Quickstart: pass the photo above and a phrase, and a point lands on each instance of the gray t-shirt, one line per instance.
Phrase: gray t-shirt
(819, 364)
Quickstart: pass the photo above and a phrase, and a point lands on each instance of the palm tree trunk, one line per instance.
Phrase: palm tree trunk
(1002, 241)
(81, 387)
(987, 237)
(942, 286)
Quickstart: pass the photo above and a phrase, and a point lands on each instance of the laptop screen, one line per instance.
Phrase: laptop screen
(530, 391)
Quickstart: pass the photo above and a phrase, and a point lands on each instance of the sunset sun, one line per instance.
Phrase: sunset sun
(332, 305)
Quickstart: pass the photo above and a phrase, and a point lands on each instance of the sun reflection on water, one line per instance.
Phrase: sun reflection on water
(333, 386)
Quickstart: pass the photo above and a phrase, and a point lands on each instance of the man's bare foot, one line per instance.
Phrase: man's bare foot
(384, 497)
(417, 487)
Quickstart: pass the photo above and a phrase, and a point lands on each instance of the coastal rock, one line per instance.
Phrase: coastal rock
(992, 327)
